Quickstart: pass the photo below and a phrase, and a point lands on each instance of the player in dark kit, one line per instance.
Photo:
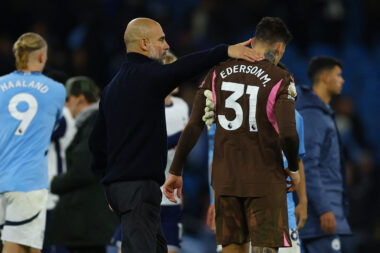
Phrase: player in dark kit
(255, 120)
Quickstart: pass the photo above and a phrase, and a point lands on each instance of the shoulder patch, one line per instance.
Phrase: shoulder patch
(292, 90)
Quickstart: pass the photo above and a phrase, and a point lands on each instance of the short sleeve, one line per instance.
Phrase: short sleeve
(208, 82)
(61, 99)
(299, 123)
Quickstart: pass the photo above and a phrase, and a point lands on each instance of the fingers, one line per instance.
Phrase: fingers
(328, 226)
(209, 217)
(208, 121)
(208, 94)
(209, 105)
(249, 56)
(179, 192)
(241, 51)
(210, 220)
(295, 177)
(208, 117)
(246, 43)
(301, 215)
(332, 226)
(301, 222)
(291, 188)
(169, 193)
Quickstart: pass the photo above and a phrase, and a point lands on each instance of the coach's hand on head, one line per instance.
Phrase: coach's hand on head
(242, 51)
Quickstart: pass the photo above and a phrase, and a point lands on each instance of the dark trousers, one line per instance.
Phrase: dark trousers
(99, 249)
(51, 248)
(137, 203)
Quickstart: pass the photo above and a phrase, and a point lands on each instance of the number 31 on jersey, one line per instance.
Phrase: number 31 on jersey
(230, 102)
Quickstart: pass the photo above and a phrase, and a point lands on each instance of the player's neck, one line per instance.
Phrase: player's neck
(322, 93)
(268, 53)
(33, 68)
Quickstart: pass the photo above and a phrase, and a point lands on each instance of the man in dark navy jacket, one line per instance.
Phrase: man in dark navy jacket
(129, 142)
(324, 163)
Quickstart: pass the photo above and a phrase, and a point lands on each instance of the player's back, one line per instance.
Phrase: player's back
(30, 105)
(247, 159)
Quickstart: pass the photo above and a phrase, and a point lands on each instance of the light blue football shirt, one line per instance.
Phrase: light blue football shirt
(30, 106)
(301, 153)
(211, 137)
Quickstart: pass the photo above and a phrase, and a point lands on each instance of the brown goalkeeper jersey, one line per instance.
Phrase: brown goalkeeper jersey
(255, 121)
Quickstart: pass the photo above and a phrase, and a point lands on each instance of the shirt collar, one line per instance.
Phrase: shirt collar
(27, 73)
(138, 58)
(85, 113)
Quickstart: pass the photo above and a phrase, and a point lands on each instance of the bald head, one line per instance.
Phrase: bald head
(145, 36)
(137, 29)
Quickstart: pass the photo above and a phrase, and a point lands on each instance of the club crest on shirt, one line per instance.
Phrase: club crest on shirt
(335, 244)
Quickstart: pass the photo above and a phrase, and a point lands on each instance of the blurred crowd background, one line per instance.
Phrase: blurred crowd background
(85, 37)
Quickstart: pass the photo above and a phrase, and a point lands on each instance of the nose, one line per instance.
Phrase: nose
(166, 45)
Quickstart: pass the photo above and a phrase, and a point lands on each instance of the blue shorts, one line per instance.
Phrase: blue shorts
(325, 244)
(171, 220)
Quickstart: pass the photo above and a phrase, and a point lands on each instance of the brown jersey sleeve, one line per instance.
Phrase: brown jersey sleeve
(208, 80)
(285, 115)
(190, 134)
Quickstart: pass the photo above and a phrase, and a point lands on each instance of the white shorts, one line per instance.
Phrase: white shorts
(23, 217)
(296, 245)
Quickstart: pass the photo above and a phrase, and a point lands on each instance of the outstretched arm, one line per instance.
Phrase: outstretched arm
(192, 64)
(190, 134)
(187, 141)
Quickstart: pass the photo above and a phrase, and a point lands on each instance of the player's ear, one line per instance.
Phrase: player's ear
(324, 76)
(279, 48)
(82, 98)
(144, 44)
(41, 57)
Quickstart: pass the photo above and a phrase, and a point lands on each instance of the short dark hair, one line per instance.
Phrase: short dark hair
(82, 85)
(319, 64)
(271, 30)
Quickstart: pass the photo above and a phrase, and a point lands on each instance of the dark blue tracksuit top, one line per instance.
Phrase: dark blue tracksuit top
(129, 141)
(325, 171)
